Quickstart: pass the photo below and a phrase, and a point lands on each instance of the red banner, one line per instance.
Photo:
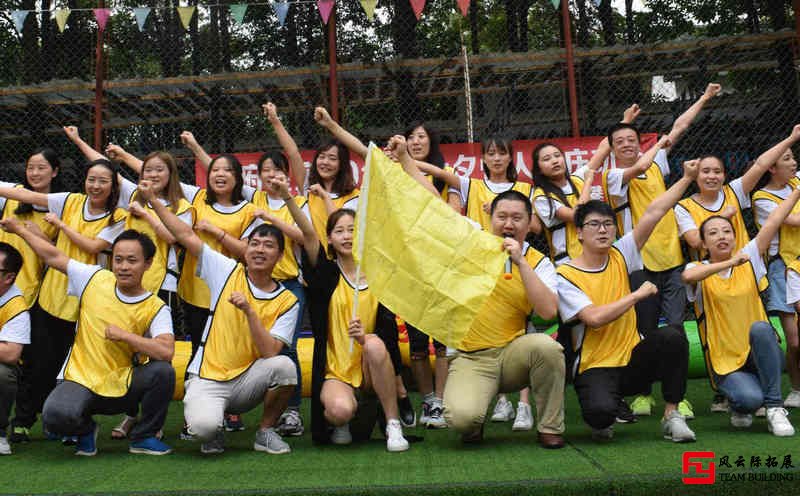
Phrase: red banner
(465, 158)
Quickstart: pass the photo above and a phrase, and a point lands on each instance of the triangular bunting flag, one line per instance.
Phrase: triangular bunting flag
(19, 17)
(463, 5)
(556, 3)
(141, 14)
(281, 9)
(237, 12)
(325, 8)
(369, 8)
(101, 16)
(61, 18)
(417, 6)
(186, 14)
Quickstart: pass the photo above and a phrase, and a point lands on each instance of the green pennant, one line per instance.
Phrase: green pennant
(555, 3)
(237, 12)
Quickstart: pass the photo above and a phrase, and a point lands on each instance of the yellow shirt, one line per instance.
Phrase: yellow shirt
(788, 236)
(700, 213)
(287, 267)
(319, 214)
(479, 194)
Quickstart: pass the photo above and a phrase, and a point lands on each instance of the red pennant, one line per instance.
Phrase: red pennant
(101, 16)
(325, 8)
(464, 6)
(417, 6)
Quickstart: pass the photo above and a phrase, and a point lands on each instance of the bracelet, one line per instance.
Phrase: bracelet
(220, 238)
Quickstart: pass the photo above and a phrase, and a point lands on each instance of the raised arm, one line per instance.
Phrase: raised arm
(351, 142)
(85, 243)
(50, 255)
(767, 160)
(24, 195)
(267, 345)
(137, 210)
(700, 271)
(683, 122)
(645, 161)
(187, 138)
(447, 177)
(543, 300)
(600, 315)
(397, 146)
(773, 223)
(659, 207)
(296, 165)
(116, 152)
(183, 233)
(291, 231)
(74, 136)
(310, 240)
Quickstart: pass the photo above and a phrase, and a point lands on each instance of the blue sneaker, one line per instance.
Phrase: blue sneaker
(87, 443)
(150, 446)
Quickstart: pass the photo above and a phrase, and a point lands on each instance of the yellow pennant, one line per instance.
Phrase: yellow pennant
(61, 18)
(369, 8)
(186, 14)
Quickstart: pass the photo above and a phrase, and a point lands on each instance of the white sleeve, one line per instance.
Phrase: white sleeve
(792, 287)
(762, 208)
(186, 217)
(214, 267)
(662, 162)
(283, 328)
(684, 219)
(463, 191)
(305, 210)
(56, 202)
(161, 324)
(352, 204)
(692, 289)
(633, 257)
(547, 273)
(616, 186)
(190, 191)
(756, 260)
(17, 330)
(744, 199)
(110, 233)
(248, 192)
(255, 223)
(126, 190)
(78, 276)
(580, 172)
(571, 300)
(542, 206)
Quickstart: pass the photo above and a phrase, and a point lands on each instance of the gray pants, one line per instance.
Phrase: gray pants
(69, 408)
(207, 401)
(9, 377)
(670, 302)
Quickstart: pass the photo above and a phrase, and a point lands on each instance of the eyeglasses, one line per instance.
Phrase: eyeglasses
(596, 224)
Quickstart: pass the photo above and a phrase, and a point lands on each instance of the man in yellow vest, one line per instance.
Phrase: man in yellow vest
(611, 359)
(15, 332)
(120, 324)
(238, 364)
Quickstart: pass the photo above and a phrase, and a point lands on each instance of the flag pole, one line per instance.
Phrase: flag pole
(361, 220)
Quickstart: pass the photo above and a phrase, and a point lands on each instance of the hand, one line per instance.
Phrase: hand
(203, 225)
(318, 190)
(281, 186)
(270, 111)
(322, 117)
(728, 212)
(664, 142)
(631, 113)
(690, 169)
(239, 301)
(114, 333)
(514, 249)
(53, 219)
(72, 133)
(356, 331)
(795, 133)
(136, 209)
(646, 290)
(712, 90)
(12, 225)
(145, 189)
(487, 207)
(187, 138)
(264, 215)
(114, 152)
(34, 228)
(739, 258)
(398, 148)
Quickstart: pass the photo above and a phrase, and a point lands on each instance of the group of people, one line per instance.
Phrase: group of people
(78, 339)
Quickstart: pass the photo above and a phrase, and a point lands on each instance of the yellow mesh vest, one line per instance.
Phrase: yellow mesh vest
(574, 248)
(730, 307)
(341, 363)
(445, 189)
(287, 267)
(610, 345)
(11, 308)
(99, 364)
(503, 316)
(53, 294)
(479, 194)
(153, 279)
(228, 348)
(319, 214)
(191, 288)
(700, 213)
(788, 236)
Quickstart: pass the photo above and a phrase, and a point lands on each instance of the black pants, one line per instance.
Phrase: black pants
(662, 356)
(669, 302)
(69, 408)
(51, 339)
(195, 319)
(386, 329)
(9, 376)
(418, 344)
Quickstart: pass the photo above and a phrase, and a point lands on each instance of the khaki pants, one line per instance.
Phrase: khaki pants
(534, 360)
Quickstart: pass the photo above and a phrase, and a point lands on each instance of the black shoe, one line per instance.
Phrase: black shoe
(408, 417)
(624, 413)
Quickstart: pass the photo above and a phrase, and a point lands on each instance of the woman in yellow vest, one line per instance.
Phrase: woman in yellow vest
(348, 357)
(42, 176)
(741, 347)
(80, 219)
(776, 185)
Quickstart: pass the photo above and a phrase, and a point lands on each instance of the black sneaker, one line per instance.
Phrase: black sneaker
(408, 417)
(624, 413)
(19, 434)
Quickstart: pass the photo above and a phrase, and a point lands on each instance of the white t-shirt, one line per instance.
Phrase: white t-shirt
(763, 207)
(3, 200)
(463, 191)
(693, 292)
(18, 329)
(190, 192)
(684, 218)
(541, 205)
(79, 275)
(57, 201)
(618, 189)
(792, 287)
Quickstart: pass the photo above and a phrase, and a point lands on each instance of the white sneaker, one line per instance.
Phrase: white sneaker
(394, 436)
(778, 423)
(341, 435)
(792, 399)
(761, 412)
(675, 429)
(719, 404)
(524, 419)
(503, 411)
(436, 418)
(5, 448)
(741, 420)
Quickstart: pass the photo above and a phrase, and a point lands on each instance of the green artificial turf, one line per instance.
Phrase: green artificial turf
(637, 461)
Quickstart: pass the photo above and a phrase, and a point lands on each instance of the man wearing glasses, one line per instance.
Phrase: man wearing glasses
(611, 359)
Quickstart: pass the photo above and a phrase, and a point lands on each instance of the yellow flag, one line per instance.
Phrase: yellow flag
(61, 18)
(423, 261)
(186, 13)
(369, 8)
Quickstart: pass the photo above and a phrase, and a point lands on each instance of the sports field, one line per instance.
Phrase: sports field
(638, 461)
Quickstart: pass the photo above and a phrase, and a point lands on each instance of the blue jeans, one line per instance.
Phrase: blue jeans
(299, 292)
(758, 382)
